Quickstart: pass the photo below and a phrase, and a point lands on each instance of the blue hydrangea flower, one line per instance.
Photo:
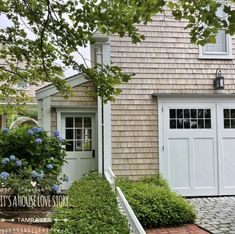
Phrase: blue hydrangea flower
(55, 188)
(18, 163)
(34, 174)
(40, 130)
(13, 157)
(60, 139)
(56, 133)
(37, 130)
(5, 161)
(4, 175)
(40, 175)
(38, 141)
(30, 132)
(50, 166)
(5, 130)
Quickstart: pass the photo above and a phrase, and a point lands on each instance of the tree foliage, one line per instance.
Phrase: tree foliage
(41, 32)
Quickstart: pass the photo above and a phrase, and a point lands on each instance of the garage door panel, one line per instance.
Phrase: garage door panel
(204, 163)
(228, 157)
(179, 164)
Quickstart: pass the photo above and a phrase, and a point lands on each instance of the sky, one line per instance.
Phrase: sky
(4, 22)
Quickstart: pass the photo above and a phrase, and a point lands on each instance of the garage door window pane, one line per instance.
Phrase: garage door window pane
(172, 113)
(207, 113)
(229, 118)
(172, 123)
(190, 118)
(207, 123)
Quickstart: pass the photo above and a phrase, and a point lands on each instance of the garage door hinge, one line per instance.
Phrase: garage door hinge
(163, 148)
(162, 109)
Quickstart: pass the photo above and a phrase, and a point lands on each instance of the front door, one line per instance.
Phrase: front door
(79, 130)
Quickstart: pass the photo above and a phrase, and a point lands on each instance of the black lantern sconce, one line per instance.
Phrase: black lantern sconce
(219, 79)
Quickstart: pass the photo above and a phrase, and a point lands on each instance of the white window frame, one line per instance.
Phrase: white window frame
(218, 55)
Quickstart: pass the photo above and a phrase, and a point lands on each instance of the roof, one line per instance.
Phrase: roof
(50, 90)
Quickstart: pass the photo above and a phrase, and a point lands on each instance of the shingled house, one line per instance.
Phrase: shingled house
(176, 117)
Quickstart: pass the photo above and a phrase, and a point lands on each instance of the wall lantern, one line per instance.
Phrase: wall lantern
(219, 79)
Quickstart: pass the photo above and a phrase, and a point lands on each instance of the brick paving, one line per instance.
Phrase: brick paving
(184, 229)
(215, 214)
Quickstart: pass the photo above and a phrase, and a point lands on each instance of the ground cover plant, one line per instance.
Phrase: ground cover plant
(30, 161)
(154, 204)
(92, 209)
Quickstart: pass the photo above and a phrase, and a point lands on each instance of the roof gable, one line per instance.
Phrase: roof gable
(50, 90)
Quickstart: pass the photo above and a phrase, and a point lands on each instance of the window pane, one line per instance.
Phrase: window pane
(69, 146)
(193, 113)
(226, 113)
(186, 123)
(201, 123)
(78, 134)
(200, 113)
(78, 146)
(207, 123)
(179, 123)
(87, 146)
(232, 123)
(207, 113)
(193, 123)
(226, 123)
(219, 47)
(87, 134)
(172, 113)
(78, 122)
(69, 133)
(232, 113)
(172, 123)
(186, 113)
(87, 122)
(69, 122)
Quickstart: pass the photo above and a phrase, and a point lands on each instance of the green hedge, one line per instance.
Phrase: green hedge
(155, 205)
(92, 209)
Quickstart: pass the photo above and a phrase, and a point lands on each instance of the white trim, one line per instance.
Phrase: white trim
(40, 120)
(46, 114)
(51, 89)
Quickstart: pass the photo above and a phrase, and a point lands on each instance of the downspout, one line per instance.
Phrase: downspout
(100, 60)
(102, 123)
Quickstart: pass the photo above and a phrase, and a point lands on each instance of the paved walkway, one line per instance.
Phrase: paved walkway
(216, 214)
(185, 229)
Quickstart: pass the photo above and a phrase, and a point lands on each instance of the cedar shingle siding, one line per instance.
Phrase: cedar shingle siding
(166, 62)
(80, 98)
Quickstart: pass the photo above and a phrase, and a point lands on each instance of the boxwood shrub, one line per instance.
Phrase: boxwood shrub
(92, 209)
(154, 204)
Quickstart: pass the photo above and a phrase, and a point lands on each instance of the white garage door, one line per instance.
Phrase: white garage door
(197, 147)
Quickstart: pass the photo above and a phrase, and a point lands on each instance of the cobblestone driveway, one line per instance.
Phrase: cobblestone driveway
(216, 214)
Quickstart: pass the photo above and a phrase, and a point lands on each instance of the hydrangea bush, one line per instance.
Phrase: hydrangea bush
(31, 161)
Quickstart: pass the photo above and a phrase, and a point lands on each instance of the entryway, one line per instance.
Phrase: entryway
(79, 130)
(197, 145)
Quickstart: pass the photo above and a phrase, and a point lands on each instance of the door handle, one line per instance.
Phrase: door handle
(93, 153)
